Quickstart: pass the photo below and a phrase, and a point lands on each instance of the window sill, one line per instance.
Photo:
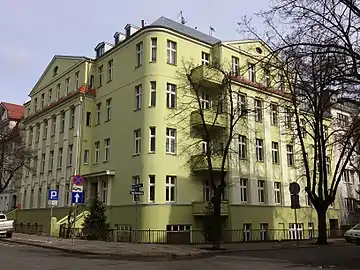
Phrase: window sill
(151, 152)
(172, 64)
(136, 67)
(152, 106)
(152, 61)
(105, 161)
(69, 166)
(108, 120)
(109, 81)
(260, 161)
(135, 110)
(170, 154)
(96, 163)
(135, 155)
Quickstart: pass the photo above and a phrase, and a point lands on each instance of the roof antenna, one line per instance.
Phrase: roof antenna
(211, 30)
(182, 17)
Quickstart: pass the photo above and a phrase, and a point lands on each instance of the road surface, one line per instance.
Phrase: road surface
(15, 256)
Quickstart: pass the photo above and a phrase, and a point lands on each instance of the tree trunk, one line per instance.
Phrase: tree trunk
(217, 229)
(322, 237)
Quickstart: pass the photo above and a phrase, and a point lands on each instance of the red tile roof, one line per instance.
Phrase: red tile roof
(15, 112)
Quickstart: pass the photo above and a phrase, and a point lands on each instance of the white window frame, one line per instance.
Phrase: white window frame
(205, 58)
(235, 63)
(104, 191)
(258, 104)
(98, 113)
(101, 72)
(62, 121)
(171, 52)
(242, 147)
(60, 157)
(53, 129)
(108, 109)
(153, 49)
(277, 193)
(97, 152)
(139, 54)
(51, 160)
(205, 100)
(261, 191)
(267, 77)
(107, 144)
(77, 75)
(290, 154)
(152, 190)
(170, 96)
(170, 144)
(152, 139)
(43, 162)
(275, 152)
(110, 69)
(241, 103)
(72, 117)
(152, 94)
(274, 114)
(86, 156)
(296, 231)
(138, 97)
(70, 154)
(252, 76)
(67, 85)
(244, 190)
(170, 186)
(259, 150)
(137, 141)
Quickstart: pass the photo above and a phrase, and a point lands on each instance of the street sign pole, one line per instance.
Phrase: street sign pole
(51, 214)
(73, 235)
(295, 204)
(297, 229)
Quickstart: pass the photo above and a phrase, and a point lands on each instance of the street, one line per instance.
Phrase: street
(15, 256)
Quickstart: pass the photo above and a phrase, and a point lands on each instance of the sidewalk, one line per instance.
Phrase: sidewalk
(130, 251)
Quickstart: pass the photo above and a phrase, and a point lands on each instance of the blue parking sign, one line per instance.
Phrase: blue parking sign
(53, 195)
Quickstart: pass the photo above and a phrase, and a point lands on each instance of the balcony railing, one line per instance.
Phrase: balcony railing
(199, 163)
(208, 77)
(211, 118)
(201, 208)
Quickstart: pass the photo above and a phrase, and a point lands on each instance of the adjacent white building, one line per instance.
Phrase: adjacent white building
(11, 113)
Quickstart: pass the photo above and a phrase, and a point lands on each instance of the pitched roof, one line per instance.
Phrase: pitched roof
(185, 30)
(15, 111)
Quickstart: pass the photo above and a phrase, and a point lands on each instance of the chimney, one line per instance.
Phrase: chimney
(142, 23)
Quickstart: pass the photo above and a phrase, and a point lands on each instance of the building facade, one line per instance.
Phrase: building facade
(111, 119)
(11, 114)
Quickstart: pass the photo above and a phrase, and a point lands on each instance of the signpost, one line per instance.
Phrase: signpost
(136, 192)
(295, 204)
(76, 198)
(53, 198)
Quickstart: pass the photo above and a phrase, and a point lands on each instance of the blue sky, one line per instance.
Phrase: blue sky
(32, 32)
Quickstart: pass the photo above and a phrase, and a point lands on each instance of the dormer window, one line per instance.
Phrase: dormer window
(128, 32)
(55, 71)
(100, 51)
(102, 48)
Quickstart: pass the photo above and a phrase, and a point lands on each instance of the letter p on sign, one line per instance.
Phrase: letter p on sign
(53, 195)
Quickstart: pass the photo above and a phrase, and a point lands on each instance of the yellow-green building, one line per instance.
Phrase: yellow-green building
(110, 120)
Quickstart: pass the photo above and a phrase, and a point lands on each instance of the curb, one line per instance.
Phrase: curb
(116, 256)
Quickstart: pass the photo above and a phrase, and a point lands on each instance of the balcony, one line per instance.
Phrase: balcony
(200, 208)
(206, 76)
(199, 163)
(209, 117)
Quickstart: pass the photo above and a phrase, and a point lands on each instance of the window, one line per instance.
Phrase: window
(342, 119)
(45, 129)
(153, 49)
(264, 231)
(258, 110)
(42, 100)
(88, 119)
(62, 122)
(67, 85)
(31, 132)
(135, 181)
(60, 157)
(311, 230)
(205, 58)
(241, 103)
(274, 114)
(53, 125)
(348, 176)
(235, 66)
(247, 231)
(107, 149)
(72, 117)
(139, 54)
(328, 167)
(42, 163)
(152, 94)
(205, 101)
(170, 188)
(261, 191)
(171, 52)
(51, 160)
(277, 192)
(137, 137)
(170, 95)
(307, 200)
(100, 70)
(296, 231)
(86, 156)
(152, 188)
(98, 113)
(138, 97)
(92, 81)
(350, 205)
(50, 95)
(243, 190)
(35, 105)
(55, 71)
(290, 155)
(275, 152)
(281, 82)
(170, 140)
(267, 77)
(303, 128)
(97, 152)
(70, 154)
(207, 191)
(152, 140)
(108, 109)
(242, 147)
(110, 70)
(259, 150)
(58, 87)
(288, 117)
(77, 84)
(252, 72)
(37, 132)
(104, 191)
(35, 163)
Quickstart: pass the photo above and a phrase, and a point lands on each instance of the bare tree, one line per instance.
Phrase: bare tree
(13, 154)
(207, 96)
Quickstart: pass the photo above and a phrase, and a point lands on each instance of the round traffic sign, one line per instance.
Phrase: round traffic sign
(294, 188)
(78, 180)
